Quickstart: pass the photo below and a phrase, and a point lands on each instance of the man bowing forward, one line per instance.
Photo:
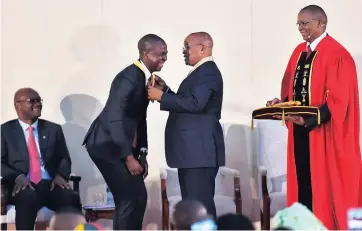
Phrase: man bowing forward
(117, 139)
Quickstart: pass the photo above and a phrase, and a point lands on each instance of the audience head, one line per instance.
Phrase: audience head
(153, 52)
(312, 22)
(234, 222)
(282, 228)
(66, 219)
(188, 212)
(197, 46)
(28, 105)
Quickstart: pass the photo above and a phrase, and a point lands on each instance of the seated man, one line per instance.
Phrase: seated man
(35, 162)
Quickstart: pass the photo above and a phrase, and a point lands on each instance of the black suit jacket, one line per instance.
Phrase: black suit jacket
(124, 114)
(14, 151)
(193, 135)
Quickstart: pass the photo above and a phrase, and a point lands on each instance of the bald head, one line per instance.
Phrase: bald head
(203, 38)
(188, 212)
(28, 105)
(312, 22)
(197, 45)
(317, 13)
(23, 93)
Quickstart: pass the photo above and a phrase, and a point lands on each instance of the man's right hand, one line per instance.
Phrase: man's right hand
(272, 102)
(21, 183)
(133, 166)
(159, 83)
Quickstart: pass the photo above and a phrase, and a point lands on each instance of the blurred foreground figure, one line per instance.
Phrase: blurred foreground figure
(191, 215)
(234, 222)
(66, 219)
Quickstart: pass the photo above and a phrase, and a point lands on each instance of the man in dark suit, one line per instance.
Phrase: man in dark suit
(194, 140)
(117, 139)
(35, 162)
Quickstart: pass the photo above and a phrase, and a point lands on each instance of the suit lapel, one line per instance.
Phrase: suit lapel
(185, 81)
(18, 136)
(43, 137)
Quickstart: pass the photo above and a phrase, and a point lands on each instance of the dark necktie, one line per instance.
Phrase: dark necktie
(309, 51)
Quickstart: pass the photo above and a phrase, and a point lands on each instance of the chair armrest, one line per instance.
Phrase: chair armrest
(264, 185)
(266, 198)
(237, 192)
(263, 170)
(163, 174)
(4, 191)
(3, 203)
(163, 177)
(164, 199)
(76, 179)
(229, 172)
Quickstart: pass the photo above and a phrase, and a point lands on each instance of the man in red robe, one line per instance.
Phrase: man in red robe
(324, 168)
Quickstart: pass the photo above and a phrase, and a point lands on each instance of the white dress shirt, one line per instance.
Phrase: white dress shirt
(314, 44)
(199, 63)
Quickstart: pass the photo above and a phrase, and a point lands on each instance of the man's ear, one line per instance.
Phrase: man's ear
(321, 23)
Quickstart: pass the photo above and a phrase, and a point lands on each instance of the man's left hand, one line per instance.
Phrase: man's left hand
(298, 120)
(59, 181)
(144, 164)
(154, 93)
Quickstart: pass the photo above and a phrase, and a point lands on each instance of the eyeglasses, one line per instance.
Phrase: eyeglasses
(31, 101)
(186, 46)
(304, 23)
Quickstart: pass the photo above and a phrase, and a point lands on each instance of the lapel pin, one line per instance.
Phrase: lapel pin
(44, 137)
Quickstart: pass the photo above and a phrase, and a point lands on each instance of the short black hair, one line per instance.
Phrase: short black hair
(282, 228)
(234, 222)
(147, 41)
(69, 209)
(317, 12)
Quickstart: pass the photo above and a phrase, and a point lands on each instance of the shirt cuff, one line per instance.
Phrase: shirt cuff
(168, 88)
(144, 151)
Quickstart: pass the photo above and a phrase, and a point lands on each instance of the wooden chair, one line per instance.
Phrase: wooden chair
(271, 141)
(265, 207)
(171, 194)
(41, 224)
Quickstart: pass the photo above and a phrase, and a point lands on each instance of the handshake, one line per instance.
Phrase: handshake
(156, 87)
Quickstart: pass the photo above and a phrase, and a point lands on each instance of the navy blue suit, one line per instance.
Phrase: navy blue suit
(54, 159)
(194, 141)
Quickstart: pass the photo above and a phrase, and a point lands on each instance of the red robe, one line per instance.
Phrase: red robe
(335, 156)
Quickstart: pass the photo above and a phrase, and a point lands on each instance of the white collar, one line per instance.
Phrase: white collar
(145, 70)
(25, 126)
(202, 61)
(314, 44)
